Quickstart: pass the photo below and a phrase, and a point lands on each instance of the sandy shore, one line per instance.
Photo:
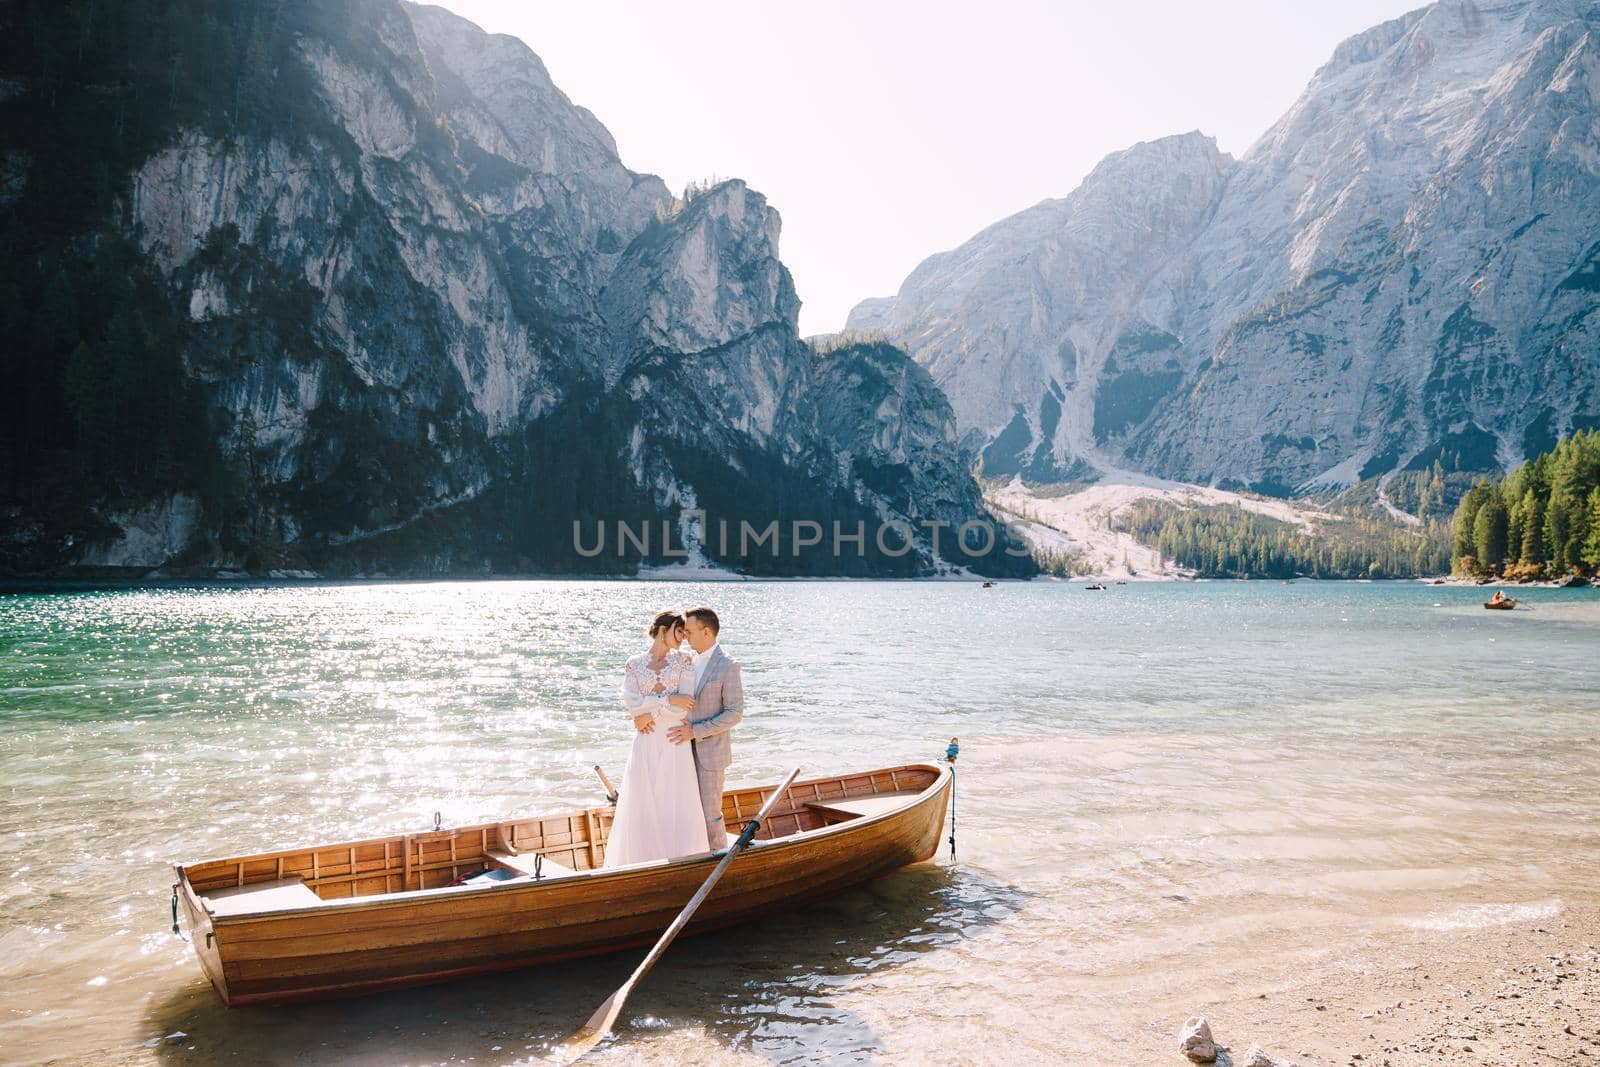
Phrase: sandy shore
(1513, 993)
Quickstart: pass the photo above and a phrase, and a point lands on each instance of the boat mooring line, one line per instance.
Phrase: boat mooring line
(951, 751)
(175, 929)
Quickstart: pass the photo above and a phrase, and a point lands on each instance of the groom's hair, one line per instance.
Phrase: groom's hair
(706, 617)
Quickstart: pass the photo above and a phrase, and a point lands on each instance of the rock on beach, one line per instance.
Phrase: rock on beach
(1195, 1041)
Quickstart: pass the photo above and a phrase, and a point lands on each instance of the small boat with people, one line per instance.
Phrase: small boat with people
(1500, 601)
(356, 917)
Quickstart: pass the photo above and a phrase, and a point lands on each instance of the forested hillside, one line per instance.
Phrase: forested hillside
(1229, 542)
(1541, 521)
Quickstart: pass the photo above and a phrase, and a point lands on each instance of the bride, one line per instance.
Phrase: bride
(658, 807)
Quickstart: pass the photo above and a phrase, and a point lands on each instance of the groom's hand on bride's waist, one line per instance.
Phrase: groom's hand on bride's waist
(680, 733)
(644, 723)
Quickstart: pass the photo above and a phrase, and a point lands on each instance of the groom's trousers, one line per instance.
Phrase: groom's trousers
(711, 801)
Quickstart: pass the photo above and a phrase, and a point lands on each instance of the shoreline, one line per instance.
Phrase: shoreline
(1503, 994)
(1479, 583)
(39, 585)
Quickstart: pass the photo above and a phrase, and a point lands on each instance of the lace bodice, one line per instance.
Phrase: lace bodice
(644, 689)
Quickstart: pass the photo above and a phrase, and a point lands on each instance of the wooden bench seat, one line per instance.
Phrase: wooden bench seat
(291, 892)
(842, 809)
(523, 863)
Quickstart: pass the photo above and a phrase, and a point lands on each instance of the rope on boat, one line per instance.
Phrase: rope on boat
(952, 750)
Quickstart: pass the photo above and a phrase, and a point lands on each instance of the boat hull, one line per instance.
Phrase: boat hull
(347, 947)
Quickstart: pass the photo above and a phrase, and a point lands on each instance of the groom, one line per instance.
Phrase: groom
(718, 707)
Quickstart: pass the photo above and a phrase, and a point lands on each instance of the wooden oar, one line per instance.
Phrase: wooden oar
(605, 783)
(600, 1022)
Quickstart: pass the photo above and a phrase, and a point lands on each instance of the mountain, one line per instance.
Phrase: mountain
(893, 430)
(1402, 271)
(1020, 324)
(355, 288)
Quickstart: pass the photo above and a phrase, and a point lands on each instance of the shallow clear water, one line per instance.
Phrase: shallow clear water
(1153, 778)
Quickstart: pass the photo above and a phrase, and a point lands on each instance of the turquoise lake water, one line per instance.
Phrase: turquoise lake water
(1143, 769)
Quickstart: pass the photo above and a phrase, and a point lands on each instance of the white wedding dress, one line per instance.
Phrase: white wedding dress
(658, 807)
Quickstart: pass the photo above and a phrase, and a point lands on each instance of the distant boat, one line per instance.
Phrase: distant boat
(357, 917)
(1501, 605)
(988, 585)
(1096, 585)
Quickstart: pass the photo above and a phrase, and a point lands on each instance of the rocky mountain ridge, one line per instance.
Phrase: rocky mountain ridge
(434, 325)
(1401, 271)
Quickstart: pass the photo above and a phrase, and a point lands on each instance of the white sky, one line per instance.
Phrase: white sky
(886, 130)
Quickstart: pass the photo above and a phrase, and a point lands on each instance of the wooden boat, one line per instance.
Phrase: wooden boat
(356, 917)
(1502, 605)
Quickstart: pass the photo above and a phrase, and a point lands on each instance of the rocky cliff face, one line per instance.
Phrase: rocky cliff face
(1021, 324)
(734, 417)
(1401, 270)
(894, 432)
(436, 323)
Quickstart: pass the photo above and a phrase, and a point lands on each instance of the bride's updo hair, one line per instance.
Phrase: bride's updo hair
(665, 620)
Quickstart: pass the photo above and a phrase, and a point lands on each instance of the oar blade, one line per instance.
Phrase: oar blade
(600, 1023)
(591, 1033)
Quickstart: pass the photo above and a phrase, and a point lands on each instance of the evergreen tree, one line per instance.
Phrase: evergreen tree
(1515, 513)
(1462, 543)
(1515, 484)
(1591, 545)
(1432, 491)
(1557, 526)
(1532, 541)
(1489, 532)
